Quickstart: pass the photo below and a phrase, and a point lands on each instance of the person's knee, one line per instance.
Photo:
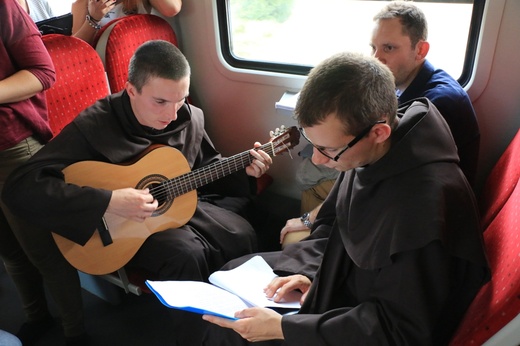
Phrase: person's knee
(186, 264)
(187, 269)
(236, 262)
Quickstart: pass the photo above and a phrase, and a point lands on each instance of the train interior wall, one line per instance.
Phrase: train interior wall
(239, 105)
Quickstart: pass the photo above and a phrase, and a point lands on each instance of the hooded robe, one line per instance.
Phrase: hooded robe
(405, 254)
(396, 253)
(109, 132)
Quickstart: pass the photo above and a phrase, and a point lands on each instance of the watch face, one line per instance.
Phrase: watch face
(305, 220)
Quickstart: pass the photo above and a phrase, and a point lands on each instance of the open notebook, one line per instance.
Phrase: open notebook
(229, 291)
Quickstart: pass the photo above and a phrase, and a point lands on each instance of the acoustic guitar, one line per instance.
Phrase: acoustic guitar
(165, 171)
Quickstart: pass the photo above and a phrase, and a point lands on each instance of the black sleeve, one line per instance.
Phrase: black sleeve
(37, 190)
(403, 305)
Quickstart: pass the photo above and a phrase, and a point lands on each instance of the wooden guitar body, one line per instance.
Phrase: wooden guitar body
(128, 236)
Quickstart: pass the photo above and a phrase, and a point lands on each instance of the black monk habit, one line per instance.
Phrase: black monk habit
(404, 256)
(109, 132)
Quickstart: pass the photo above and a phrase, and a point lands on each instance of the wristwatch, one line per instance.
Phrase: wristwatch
(305, 220)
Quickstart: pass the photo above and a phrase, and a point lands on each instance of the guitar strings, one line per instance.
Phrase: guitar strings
(187, 182)
(191, 180)
(169, 188)
(288, 150)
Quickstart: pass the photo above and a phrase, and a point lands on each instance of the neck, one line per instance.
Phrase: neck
(411, 76)
(383, 149)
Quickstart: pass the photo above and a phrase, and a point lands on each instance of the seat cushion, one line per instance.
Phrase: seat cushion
(501, 182)
(498, 302)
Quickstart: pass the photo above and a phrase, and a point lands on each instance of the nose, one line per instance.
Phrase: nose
(172, 111)
(379, 56)
(318, 158)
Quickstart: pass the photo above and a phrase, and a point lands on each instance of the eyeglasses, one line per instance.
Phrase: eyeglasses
(349, 145)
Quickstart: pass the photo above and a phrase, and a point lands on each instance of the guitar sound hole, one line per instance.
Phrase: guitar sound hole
(158, 191)
(159, 195)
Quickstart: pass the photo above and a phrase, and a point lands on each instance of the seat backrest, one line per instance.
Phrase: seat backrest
(101, 31)
(118, 42)
(501, 182)
(498, 302)
(80, 79)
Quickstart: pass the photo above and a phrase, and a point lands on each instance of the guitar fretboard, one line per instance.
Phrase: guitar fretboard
(187, 182)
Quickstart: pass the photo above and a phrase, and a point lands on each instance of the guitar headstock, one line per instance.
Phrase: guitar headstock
(283, 139)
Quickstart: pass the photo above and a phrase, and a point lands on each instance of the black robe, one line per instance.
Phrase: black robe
(404, 257)
(109, 132)
(396, 253)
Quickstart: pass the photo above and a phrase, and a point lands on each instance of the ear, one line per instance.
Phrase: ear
(423, 48)
(130, 89)
(381, 132)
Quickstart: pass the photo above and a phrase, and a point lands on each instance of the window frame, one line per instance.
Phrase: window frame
(303, 70)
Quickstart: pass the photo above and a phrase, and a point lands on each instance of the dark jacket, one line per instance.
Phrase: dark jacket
(455, 106)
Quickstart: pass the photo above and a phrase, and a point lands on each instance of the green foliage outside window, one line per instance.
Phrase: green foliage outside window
(275, 10)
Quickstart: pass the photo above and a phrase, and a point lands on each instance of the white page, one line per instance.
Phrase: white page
(248, 282)
(197, 297)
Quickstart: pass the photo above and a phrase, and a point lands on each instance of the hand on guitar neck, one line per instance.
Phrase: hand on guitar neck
(260, 164)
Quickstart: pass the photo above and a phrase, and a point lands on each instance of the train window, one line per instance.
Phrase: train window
(291, 36)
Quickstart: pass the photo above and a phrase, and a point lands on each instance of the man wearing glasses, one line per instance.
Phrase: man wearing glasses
(404, 257)
(327, 152)
(399, 40)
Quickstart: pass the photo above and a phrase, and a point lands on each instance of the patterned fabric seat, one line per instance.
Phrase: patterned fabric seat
(80, 79)
(121, 37)
(501, 182)
(498, 302)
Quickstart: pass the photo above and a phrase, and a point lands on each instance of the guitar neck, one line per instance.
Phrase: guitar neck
(210, 173)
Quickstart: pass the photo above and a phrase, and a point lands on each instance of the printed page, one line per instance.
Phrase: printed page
(248, 282)
(198, 297)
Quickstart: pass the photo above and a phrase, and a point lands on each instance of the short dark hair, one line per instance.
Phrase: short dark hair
(157, 58)
(358, 89)
(411, 18)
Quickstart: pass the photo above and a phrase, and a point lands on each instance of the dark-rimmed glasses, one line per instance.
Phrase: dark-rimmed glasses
(349, 145)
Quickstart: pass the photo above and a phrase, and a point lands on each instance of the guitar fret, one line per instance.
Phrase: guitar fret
(165, 191)
(192, 180)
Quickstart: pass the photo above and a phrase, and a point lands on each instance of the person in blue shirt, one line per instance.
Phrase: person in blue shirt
(399, 40)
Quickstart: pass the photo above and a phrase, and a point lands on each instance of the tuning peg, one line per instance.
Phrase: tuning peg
(278, 131)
